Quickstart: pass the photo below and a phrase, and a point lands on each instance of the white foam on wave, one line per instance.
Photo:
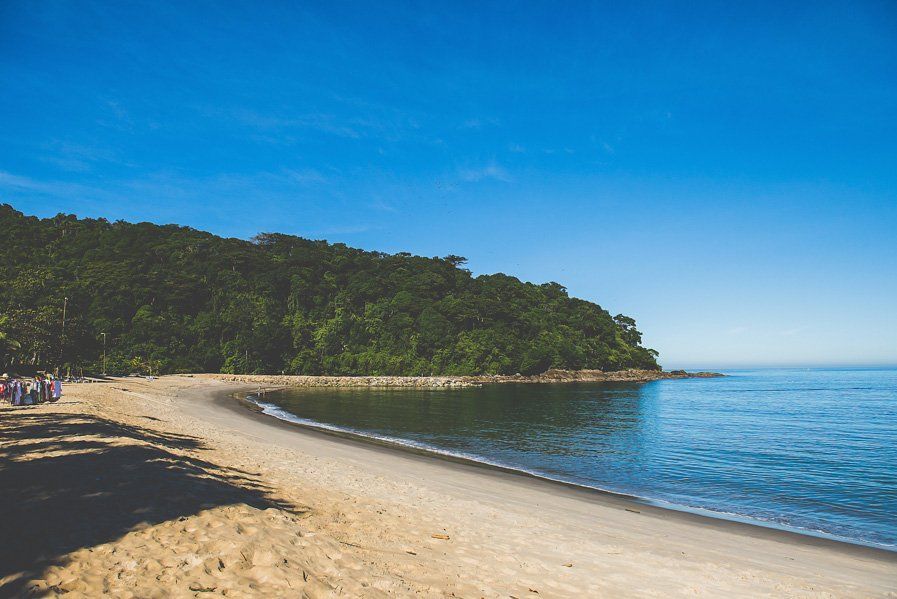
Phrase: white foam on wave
(281, 414)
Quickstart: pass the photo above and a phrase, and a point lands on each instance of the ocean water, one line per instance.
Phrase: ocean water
(812, 450)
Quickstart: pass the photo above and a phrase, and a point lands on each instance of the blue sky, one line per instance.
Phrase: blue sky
(727, 175)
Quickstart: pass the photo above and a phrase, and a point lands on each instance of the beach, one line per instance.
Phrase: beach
(172, 488)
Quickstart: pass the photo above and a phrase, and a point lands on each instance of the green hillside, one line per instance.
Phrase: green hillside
(174, 299)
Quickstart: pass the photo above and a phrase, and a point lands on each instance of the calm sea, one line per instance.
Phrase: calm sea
(813, 450)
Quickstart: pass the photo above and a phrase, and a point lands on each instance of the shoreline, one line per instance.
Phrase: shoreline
(705, 516)
(181, 491)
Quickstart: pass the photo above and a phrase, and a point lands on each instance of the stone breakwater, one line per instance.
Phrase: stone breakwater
(594, 376)
(551, 376)
(286, 380)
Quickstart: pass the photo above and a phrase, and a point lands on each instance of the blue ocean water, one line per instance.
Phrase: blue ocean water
(813, 450)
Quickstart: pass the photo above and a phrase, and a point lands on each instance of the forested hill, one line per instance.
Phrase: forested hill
(174, 299)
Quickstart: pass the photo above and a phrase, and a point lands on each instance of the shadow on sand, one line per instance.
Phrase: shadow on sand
(73, 481)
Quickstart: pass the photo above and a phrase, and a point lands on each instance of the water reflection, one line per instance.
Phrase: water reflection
(593, 416)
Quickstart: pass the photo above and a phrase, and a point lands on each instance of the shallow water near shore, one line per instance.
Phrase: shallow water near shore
(812, 450)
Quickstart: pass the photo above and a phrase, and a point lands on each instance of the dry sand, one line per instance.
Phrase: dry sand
(168, 488)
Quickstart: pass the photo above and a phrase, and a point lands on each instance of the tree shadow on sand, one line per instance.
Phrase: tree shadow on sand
(72, 481)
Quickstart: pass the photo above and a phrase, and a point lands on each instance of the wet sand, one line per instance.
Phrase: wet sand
(170, 488)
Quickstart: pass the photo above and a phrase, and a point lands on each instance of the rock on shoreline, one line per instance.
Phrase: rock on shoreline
(550, 376)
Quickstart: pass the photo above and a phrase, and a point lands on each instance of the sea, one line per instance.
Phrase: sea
(809, 450)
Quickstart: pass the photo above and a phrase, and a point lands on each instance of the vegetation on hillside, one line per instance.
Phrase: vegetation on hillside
(174, 299)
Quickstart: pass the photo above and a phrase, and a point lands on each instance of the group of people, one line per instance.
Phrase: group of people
(30, 391)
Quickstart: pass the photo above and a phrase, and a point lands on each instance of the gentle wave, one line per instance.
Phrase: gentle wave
(281, 414)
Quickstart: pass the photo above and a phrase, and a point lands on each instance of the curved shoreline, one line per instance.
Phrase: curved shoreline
(239, 401)
(185, 490)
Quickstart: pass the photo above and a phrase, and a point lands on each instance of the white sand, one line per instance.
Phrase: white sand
(235, 503)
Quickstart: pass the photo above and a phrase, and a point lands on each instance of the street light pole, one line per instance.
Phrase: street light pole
(104, 353)
(65, 304)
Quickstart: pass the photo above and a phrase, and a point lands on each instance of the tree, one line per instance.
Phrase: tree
(628, 332)
(174, 299)
(456, 261)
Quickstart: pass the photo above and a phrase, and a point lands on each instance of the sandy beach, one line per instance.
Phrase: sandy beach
(171, 488)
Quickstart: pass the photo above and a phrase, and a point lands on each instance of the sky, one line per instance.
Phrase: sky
(726, 175)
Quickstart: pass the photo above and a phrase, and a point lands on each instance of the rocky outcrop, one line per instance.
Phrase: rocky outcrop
(347, 381)
(430, 382)
(593, 376)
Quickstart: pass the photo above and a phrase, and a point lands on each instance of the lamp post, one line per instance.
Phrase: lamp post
(65, 303)
(104, 353)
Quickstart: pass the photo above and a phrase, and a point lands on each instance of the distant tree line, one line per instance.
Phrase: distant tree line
(174, 299)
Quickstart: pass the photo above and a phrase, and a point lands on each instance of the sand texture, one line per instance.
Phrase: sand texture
(169, 488)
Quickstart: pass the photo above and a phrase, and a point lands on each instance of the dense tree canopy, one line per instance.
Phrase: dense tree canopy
(174, 299)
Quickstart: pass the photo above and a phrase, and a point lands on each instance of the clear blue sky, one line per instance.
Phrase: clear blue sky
(726, 175)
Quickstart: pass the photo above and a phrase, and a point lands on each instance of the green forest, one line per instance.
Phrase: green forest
(164, 299)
